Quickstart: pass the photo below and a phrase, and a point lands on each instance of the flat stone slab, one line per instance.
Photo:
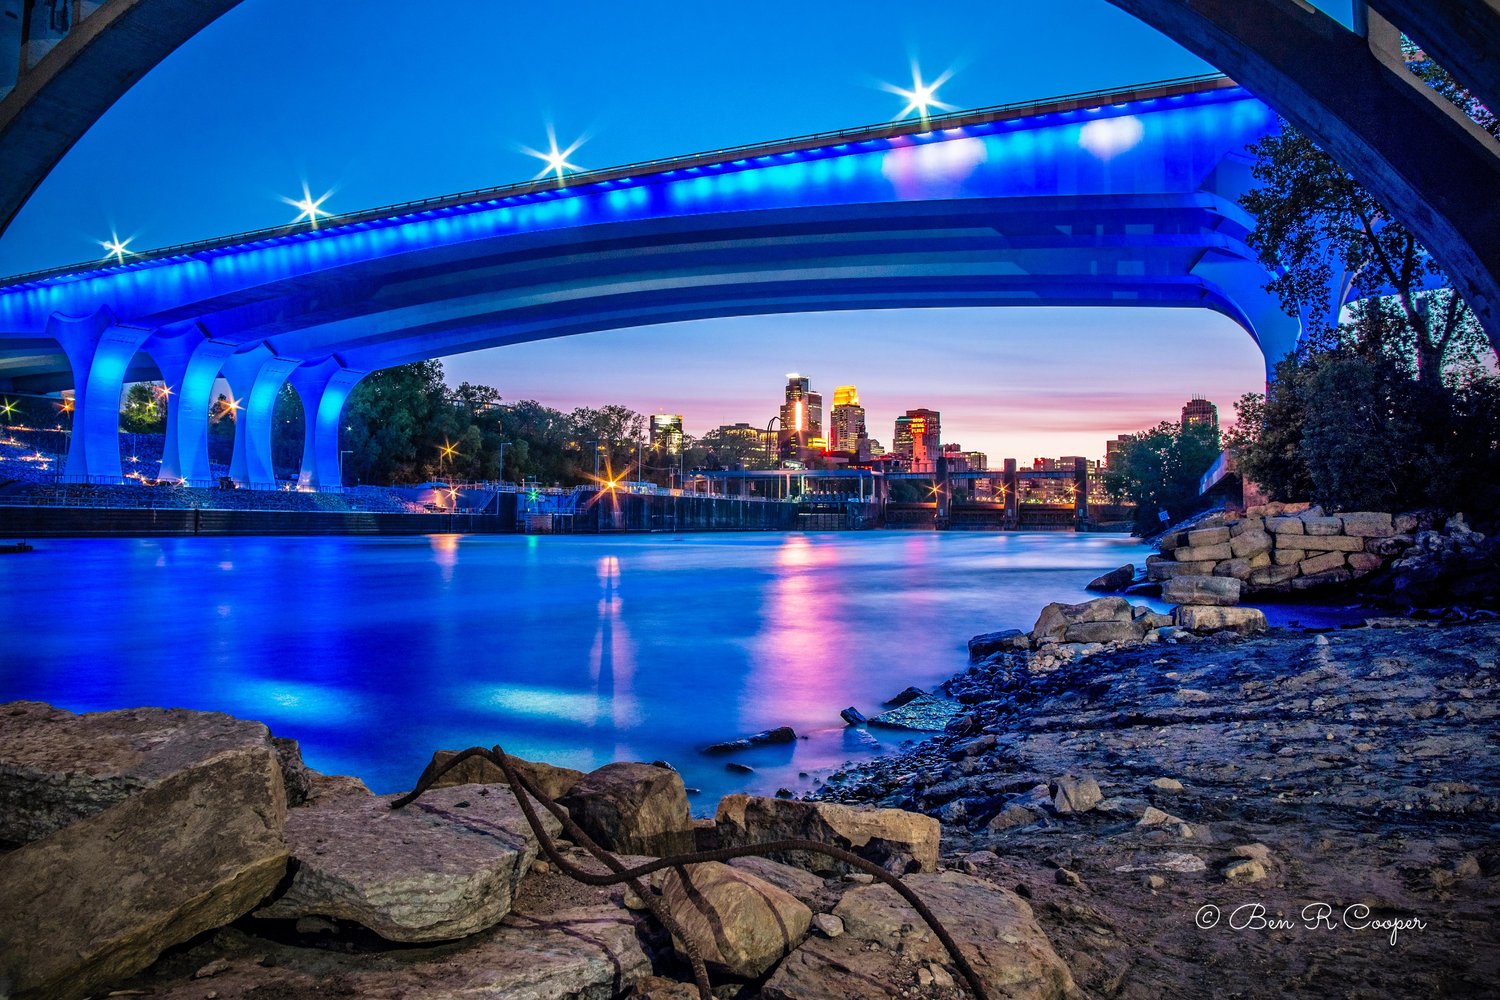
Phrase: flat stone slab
(588, 952)
(57, 767)
(927, 713)
(444, 867)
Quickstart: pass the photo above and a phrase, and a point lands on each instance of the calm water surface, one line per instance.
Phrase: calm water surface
(576, 650)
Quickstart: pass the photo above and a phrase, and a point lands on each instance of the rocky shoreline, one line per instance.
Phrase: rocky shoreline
(1265, 777)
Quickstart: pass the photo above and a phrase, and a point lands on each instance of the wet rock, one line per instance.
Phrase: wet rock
(852, 716)
(1205, 620)
(895, 839)
(1202, 590)
(982, 645)
(926, 712)
(633, 809)
(57, 767)
(101, 898)
(1167, 785)
(552, 781)
(915, 692)
(994, 928)
(1114, 580)
(1073, 794)
(661, 988)
(735, 767)
(770, 737)
(739, 924)
(444, 867)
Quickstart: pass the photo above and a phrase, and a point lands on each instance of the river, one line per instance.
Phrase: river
(580, 650)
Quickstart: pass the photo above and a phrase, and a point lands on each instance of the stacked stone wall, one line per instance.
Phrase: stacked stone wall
(1284, 547)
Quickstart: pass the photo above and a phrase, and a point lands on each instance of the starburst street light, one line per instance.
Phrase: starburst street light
(922, 97)
(310, 208)
(556, 160)
(116, 247)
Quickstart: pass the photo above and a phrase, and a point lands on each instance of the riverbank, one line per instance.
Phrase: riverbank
(1180, 814)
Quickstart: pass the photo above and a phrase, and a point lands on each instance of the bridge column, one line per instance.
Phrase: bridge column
(1080, 492)
(99, 351)
(189, 363)
(1241, 283)
(255, 378)
(1012, 487)
(324, 389)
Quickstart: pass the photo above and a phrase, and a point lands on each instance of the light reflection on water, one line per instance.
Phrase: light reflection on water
(577, 650)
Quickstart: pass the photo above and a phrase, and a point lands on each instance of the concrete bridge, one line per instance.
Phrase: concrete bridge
(1118, 198)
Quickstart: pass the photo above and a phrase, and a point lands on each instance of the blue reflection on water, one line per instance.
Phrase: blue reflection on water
(576, 650)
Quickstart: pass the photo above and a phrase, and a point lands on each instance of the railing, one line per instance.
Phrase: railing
(727, 156)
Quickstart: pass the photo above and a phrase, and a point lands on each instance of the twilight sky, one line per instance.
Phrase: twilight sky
(382, 101)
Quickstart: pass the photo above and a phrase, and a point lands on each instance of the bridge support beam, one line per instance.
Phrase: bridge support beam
(1080, 493)
(189, 363)
(1242, 283)
(99, 351)
(1434, 169)
(255, 378)
(324, 389)
(1012, 488)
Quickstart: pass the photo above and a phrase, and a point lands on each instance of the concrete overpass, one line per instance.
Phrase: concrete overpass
(1118, 198)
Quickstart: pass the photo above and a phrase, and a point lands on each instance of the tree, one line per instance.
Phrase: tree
(1323, 235)
(1160, 468)
(144, 411)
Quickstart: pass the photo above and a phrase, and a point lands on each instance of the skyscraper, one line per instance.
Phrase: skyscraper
(666, 433)
(1199, 412)
(847, 424)
(919, 439)
(801, 416)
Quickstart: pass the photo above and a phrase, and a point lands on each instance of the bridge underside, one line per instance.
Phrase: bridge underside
(1046, 211)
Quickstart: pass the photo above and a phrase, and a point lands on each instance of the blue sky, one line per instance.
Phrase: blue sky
(382, 101)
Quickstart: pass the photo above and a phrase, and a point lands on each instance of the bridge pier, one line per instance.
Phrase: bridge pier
(189, 363)
(255, 378)
(324, 389)
(99, 350)
(1012, 487)
(1080, 493)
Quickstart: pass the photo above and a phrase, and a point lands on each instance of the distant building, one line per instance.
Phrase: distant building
(1199, 412)
(801, 417)
(1114, 448)
(666, 433)
(846, 424)
(919, 439)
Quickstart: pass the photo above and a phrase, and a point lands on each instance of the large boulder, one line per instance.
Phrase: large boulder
(444, 867)
(101, 898)
(1250, 543)
(57, 767)
(1121, 632)
(895, 839)
(876, 957)
(1055, 618)
(1368, 524)
(633, 809)
(1114, 580)
(1220, 590)
(551, 780)
(740, 924)
(1206, 619)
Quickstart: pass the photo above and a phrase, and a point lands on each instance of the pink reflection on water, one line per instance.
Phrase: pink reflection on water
(444, 554)
(612, 662)
(799, 662)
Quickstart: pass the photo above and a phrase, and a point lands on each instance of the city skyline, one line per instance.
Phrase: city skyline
(1024, 398)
